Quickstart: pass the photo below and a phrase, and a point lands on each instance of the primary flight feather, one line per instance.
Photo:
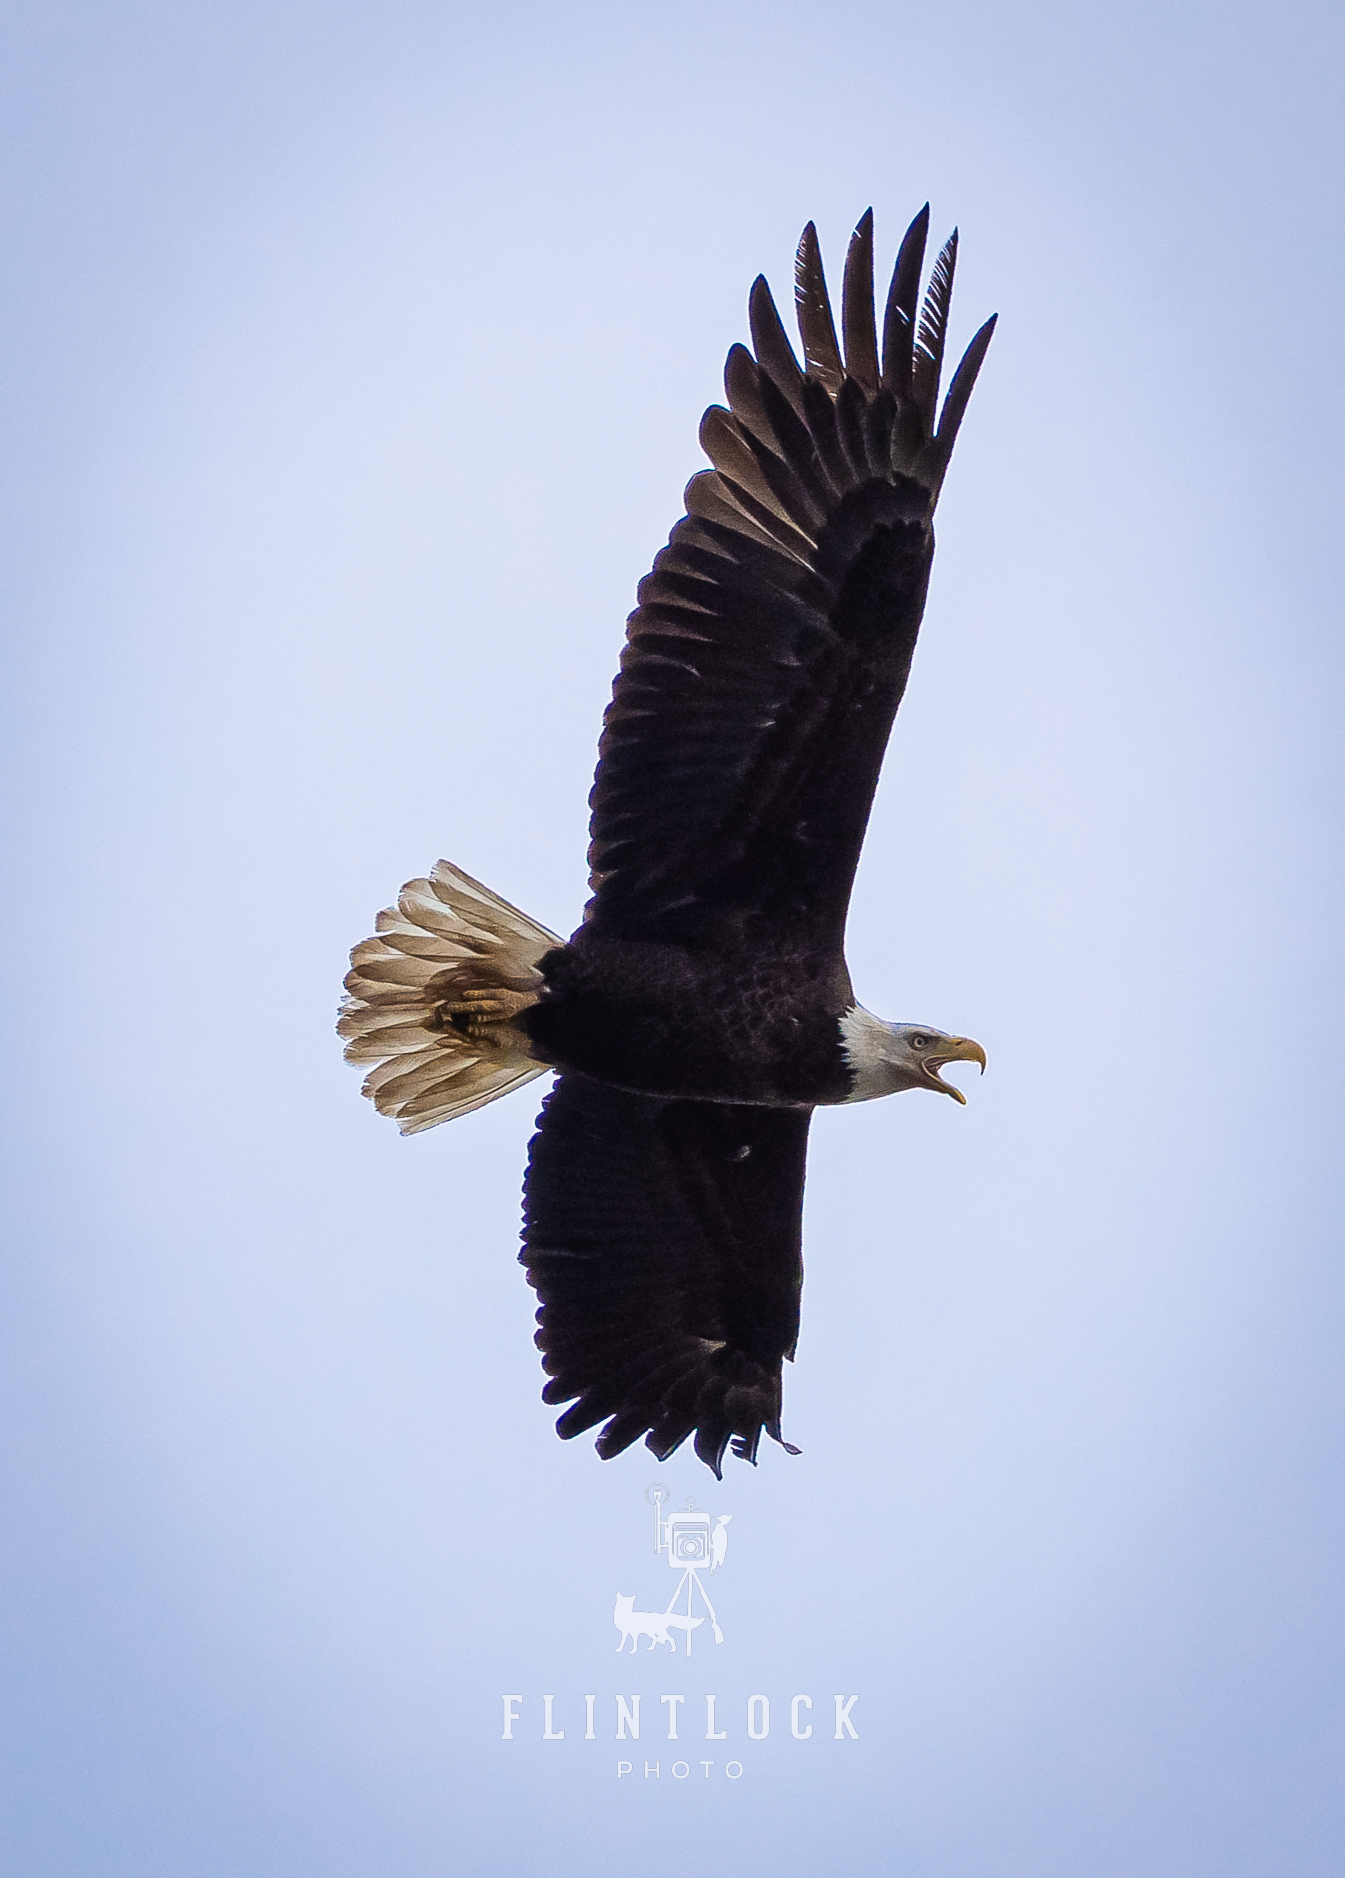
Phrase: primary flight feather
(703, 1008)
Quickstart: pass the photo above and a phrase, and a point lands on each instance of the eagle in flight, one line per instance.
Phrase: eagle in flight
(703, 1008)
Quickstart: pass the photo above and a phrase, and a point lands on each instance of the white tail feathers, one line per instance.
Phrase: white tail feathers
(432, 996)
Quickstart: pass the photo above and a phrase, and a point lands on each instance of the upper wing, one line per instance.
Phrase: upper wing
(770, 648)
(664, 1240)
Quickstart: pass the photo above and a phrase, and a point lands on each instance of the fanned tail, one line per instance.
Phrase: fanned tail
(432, 999)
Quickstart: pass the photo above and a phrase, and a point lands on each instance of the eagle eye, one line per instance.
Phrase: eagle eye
(920, 1042)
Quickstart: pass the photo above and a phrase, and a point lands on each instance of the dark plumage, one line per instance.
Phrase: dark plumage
(704, 1008)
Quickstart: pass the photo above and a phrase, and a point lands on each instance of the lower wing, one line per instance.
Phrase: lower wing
(664, 1240)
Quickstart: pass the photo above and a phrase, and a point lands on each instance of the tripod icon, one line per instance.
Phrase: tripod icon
(695, 1543)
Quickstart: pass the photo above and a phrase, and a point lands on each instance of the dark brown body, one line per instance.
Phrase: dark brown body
(662, 1020)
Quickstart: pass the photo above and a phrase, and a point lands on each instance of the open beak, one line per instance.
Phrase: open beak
(957, 1050)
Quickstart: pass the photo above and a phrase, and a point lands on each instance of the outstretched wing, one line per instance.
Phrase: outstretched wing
(768, 654)
(664, 1240)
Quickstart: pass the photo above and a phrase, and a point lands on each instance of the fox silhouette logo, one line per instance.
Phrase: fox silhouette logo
(655, 1625)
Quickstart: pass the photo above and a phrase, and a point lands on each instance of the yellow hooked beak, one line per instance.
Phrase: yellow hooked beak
(952, 1050)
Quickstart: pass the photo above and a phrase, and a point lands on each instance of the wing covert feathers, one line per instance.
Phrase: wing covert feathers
(663, 1240)
(770, 646)
(430, 996)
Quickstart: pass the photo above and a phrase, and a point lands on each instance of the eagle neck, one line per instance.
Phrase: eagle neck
(866, 1043)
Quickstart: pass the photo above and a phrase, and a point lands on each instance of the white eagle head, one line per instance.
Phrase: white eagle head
(884, 1058)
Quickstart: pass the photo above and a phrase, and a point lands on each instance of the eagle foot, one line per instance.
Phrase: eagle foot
(480, 1016)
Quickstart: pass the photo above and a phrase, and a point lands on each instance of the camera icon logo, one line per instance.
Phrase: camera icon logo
(687, 1544)
(695, 1542)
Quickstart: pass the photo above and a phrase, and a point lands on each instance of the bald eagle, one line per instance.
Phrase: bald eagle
(703, 1008)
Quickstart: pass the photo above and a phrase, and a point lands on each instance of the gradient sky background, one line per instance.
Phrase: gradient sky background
(352, 368)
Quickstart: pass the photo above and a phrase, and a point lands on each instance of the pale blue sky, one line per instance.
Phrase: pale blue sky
(352, 368)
